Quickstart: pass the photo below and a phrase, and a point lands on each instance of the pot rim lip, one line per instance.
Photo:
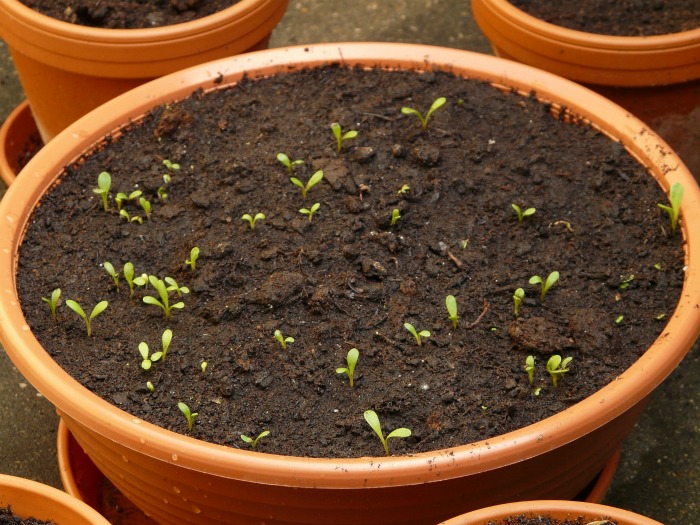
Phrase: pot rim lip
(584, 40)
(515, 446)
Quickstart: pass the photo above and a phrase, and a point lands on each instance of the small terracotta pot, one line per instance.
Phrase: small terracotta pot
(557, 509)
(66, 69)
(30, 499)
(588, 57)
(193, 481)
(19, 140)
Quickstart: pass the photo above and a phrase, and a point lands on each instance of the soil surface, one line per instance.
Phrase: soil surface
(617, 17)
(548, 520)
(127, 14)
(7, 517)
(348, 278)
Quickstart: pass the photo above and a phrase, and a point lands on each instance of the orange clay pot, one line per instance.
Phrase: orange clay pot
(66, 69)
(29, 499)
(177, 479)
(588, 57)
(19, 138)
(590, 512)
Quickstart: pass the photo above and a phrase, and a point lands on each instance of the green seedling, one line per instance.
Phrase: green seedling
(192, 261)
(676, 196)
(530, 368)
(518, 296)
(341, 137)
(660, 317)
(129, 276)
(351, 359)
(171, 165)
(203, 365)
(104, 182)
(522, 214)
(438, 103)
(174, 287)
(97, 310)
(189, 415)
(315, 179)
(161, 193)
(148, 360)
(556, 367)
(109, 268)
(373, 421)
(254, 442)
(125, 215)
(165, 340)
(150, 386)
(657, 266)
(451, 305)
(146, 205)
(619, 319)
(624, 283)
(289, 164)
(464, 243)
(310, 212)
(395, 216)
(164, 303)
(416, 334)
(404, 189)
(141, 280)
(121, 198)
(537, 391)
(283, 340)
(53, 302)
(545, 285)
(252, 220)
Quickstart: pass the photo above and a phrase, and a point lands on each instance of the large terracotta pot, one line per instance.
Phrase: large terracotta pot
(66, 69)
(177, 479)
(30, 499)
(590, 512)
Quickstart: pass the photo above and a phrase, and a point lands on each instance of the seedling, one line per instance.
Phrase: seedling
(53, 302)
(254, 442)
(341, 137)
(194, 255)
(125, 215)
(129, 276)
(438, 103)
(141, 280)
(164, 303)
(112, 272)
(161, 193)
(203, 365)
(171, 165)
(556, 367)
(530, 368)
(624, 283)
(104, 182)
(395, 216)
(619, 319)
(166, 339)
(146, 205)
(416, 334)
(522, 214)
(120, 198)
(174, 287)
(97, 310)
(373, 421)
(315, 179)
(464, 243)
(546, 285)
(189, 415)
(351, 359)
(283, 340)
(310, 212)
(657, 266)
(289, 164)
(518, 296)
(150, 386)
(404, 189)
(451, 304)
(252, 220)
(148, 360)
(676, 196)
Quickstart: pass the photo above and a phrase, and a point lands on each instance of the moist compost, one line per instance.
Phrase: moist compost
(127, 14)
(548, 520)
(7, 517)
(617, 17)
(348, 278)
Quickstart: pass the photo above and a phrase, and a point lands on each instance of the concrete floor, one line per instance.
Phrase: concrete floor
(659, 472)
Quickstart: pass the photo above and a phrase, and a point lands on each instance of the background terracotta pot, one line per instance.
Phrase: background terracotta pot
(30, 499)
(18, 139)
(189, 480)
(66, 69)
(557, 509)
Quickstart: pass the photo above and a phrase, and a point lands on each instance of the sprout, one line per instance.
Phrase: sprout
(97, 310)
(254, 442)
(522, 214)
(104, 182)
(252, 220)
(676, 196)
(161, 193)
(174, 287)
(129, 276)
(438, 103)
(284, 159)
(164, 303)
(546, 285)
(530, 368)
(556, 366)
(395, 216)
(624, 283)
(53, 302)
(166, 339)
(194, 255)
(112, 272)
(310, 212)
(203, 365)
(518, 296)
(125, 215)
(619, 319)
(141, 280)
(171, 165)
(373, 421)
(283, 340)
(451, 304)
(340, 137)
(146, 205)
(190, 416)
(120, 198)
(464, 243)
(150, 386)
(147, 360)
(351, 359)
(315, 179)
(404, 189)
(416, 334)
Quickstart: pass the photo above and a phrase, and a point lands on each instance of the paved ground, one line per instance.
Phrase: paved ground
(659, 474)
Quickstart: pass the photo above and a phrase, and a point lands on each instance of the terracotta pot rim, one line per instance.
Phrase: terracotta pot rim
(656, 363)
(20, 117)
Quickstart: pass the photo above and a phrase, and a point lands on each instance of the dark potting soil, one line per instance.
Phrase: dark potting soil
(617, 17)
(7, 517)
(548, 520)
(127, 14)
(348, 278)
